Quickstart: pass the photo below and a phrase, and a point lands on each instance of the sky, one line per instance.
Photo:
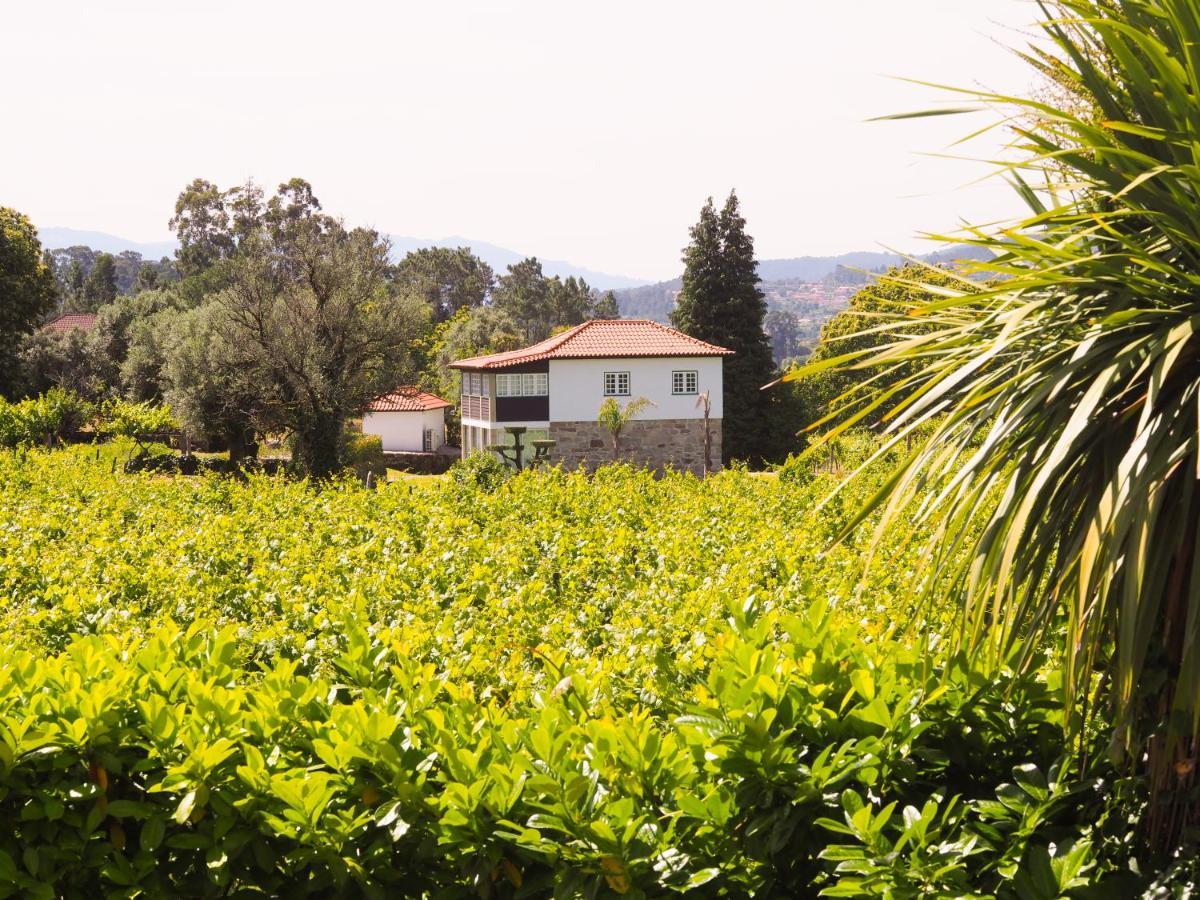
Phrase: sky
(585, 132)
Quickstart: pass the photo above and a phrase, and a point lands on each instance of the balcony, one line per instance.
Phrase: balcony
(473, 406)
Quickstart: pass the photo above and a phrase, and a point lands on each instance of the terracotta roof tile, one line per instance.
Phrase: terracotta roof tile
(406, 398)
(67, 321)
(601, 339)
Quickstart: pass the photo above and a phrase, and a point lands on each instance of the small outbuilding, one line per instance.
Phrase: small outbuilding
(408, 420)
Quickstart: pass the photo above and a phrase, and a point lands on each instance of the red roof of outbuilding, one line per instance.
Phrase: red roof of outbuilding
(406, 398)
(601, 339)
(67, 321)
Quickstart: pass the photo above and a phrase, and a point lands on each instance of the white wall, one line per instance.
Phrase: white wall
(577, 387)
(403, 431)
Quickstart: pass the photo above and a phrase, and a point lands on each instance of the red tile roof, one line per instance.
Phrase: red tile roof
(67, 321)
(406, 398)
(601, 339)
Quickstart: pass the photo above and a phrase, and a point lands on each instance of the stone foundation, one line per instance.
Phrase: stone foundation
(654, 443)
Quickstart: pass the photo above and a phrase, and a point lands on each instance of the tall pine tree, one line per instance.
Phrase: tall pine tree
(720, 303)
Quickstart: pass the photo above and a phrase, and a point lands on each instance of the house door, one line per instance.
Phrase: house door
(427, 440)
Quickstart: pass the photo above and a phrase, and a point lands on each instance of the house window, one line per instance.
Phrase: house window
(616, 384)
(475, 384)
(684, 383)
(526, 384)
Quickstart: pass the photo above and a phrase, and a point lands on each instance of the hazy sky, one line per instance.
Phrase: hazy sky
(586, 132)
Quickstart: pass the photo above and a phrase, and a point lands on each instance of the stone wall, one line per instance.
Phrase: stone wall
(654, 443)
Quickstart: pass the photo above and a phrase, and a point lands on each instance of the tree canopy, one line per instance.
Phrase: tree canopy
(27, 289)
(720, 303)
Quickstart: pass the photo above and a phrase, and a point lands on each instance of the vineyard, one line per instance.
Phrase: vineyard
(553, 684)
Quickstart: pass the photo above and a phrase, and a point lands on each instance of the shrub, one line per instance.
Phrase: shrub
(481, 470)
(46, 420)
(364, 454)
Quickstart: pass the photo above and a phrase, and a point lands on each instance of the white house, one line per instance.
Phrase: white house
(554, 390)
(408, 420)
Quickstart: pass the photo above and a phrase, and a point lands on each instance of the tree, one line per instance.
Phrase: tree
(315, 331)
(783, 330)
(448, 280)
(63, 359)
(101, 285)
(613, 417)
(524, 295)
(27, 289)
(1062, 401)
(720, 303)
(212, 225)
(202, 224)
(539, 304)
(879, 315)
(203, 383)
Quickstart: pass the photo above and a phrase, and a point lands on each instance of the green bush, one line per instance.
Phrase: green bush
(163, 766)
(481, 470)
(575, 685)
(44, 420)
(364, 454)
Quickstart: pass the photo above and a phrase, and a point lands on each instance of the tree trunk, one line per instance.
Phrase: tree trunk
(317, 446)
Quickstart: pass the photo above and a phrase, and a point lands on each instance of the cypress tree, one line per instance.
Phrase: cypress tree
(720, 303)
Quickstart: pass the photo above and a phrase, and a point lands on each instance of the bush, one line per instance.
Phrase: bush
(364, 454)
(582, 686)
(481, 471)
(123, 418)
(161, 766)
(44, 420)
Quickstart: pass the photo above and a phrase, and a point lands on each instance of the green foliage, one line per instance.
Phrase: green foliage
(480, 471)
(720, 303)
(449, 280)
(123, 418)
(44, 420)
(27, 289)
(364, 454)
(879, 316)
(539, 305)
(613, 418)
(101, 284)
(1067, 393)
(540, 687)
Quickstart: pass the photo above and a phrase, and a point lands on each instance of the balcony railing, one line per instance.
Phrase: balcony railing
(475, 407)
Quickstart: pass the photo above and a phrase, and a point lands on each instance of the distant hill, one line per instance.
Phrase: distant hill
(60, 238)
(655, 301)
(499, 258)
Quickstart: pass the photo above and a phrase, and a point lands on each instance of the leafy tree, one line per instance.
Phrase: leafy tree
(204, 384)
(783, 330)
(720, 303)
(448, 280)
(523, 293)
(539, 304)
(878, 316)
(316, 331)
(64, 359)
(1062, 400)
(101, 285)
(613, 418)
(212, 224)
(202, 224)
(27, 289)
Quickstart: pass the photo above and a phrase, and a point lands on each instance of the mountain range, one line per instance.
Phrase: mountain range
(800, 268)
(499, 258)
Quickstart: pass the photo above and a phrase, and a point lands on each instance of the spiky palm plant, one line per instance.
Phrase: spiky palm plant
(1063, 400)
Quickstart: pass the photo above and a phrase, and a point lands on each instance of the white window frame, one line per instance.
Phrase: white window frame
(685, 382)
(614, 382)
(523, 384)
